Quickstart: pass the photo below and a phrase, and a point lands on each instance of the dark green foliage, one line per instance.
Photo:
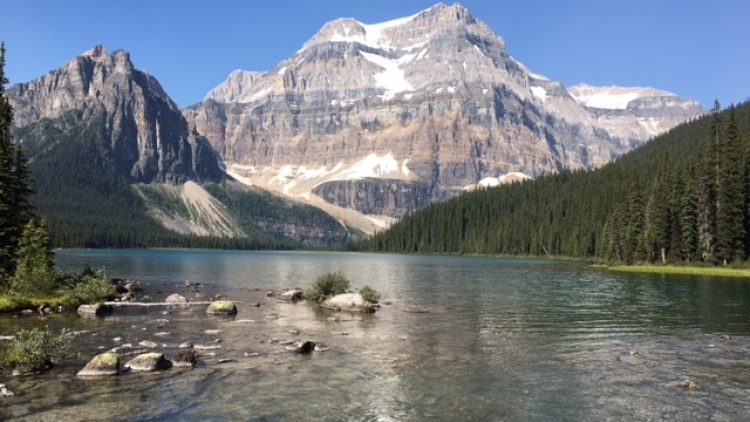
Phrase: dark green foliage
(36, 350)
(369, 294)
(328, 285)
(680, 198)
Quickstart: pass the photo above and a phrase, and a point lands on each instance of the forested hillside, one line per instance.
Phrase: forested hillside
(89, 204)
(683, 197)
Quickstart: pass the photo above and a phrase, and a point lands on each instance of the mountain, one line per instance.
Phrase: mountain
(680, 198)
(387, 118)
(143, 129)
(116, 164)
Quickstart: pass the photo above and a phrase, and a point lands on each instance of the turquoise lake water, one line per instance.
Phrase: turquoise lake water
(504, 339)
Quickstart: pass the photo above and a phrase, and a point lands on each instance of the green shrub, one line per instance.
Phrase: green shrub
(36, 350)
(369, 294)
(328, 285)
(90, 286)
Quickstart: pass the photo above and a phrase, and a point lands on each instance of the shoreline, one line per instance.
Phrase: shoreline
(732, 272)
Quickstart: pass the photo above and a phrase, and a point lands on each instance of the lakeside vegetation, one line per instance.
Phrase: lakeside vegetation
(683, 198)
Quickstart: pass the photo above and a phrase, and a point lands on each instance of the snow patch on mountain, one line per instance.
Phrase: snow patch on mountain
(392, 79)
(612, 97)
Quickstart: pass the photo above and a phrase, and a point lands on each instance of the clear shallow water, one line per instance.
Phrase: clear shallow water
(505, 339)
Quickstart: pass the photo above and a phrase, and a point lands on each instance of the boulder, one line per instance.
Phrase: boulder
(94, 310)
(105, 364)
(293, 295)
(352, 302)
(184, 359)
(176, 299)
(148, 362)
(222, 307)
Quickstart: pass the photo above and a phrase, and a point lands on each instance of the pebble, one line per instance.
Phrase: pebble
(711, 346)
(212, 332)
(252, 354)
(226, 360)
(293, 331)
(186, 345)
(117, 339)
(162, 334)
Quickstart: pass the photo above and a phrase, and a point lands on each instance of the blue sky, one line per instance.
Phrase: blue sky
(696, 48)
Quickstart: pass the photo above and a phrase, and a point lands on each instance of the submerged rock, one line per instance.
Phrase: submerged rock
(293, 295)
(352, 302)
(222, 307)
(4, 392)
(186, 345)
(105, 364)
(94, 310)
(184, 359)
(176, 299)
(148, 362)
(688, 384)
(148, 344)
(302, 347)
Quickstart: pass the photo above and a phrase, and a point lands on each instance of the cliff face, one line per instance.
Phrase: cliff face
(139, 126)
(435, 98)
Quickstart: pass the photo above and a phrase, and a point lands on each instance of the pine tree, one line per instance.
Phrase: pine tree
(689, 223)
(730, 229)
(34, 266)
(8, 231)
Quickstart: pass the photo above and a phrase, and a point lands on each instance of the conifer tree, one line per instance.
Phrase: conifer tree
(8, 231)
(730, 229)
(35, 272)
(689, 223)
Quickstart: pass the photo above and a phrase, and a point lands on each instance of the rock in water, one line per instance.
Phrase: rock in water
(176, 299)
(148, 362)
(302, 347)
(4, 392)
(688, 384)
(148, 344)
(105, 364)
(184, 359)
(294, 295)
(222, 307)
(94, 310)
(352, 302)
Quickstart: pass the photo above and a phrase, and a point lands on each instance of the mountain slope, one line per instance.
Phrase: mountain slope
(662, 202)
(99, 133)
(424, 107)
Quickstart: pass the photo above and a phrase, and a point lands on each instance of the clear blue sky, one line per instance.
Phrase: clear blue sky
(696, 48)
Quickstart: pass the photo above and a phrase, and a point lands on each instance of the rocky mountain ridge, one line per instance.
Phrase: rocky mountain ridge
(364, 116)
(143, 129)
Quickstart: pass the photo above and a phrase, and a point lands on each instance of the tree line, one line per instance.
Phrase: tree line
(683, 197)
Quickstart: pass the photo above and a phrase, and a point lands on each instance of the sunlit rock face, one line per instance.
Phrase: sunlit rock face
(386, 118)
(126, 110)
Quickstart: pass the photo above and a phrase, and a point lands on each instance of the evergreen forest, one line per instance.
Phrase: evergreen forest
(684, 197)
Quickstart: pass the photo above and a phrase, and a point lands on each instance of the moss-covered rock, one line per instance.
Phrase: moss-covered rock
(105, 364)
(222, 307)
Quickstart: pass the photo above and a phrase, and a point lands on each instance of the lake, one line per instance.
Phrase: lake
(504, 339)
